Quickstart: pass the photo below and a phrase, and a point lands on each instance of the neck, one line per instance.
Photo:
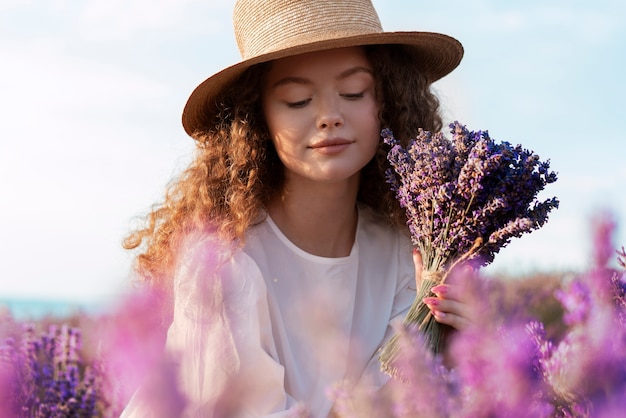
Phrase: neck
(320, 219)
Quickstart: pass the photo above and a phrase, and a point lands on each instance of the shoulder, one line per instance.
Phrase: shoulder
(211, 268)
(201, 246)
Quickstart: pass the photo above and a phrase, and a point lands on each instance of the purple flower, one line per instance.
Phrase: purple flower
(603, 226)
(465, 199)
(44, 375)
(499, 371)
(576, 300)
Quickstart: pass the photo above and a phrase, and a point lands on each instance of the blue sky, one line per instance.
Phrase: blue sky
(91, 93)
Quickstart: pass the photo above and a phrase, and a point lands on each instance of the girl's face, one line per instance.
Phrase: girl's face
(322, 113)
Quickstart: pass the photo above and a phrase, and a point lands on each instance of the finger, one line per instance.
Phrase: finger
(450, 308)
(448, 291)
(442, 291)
(455, 321)
(417, 260)
(459, 281)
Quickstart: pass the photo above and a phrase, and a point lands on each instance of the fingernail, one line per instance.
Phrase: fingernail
(441, 289)
(431, 301)
(439, 314)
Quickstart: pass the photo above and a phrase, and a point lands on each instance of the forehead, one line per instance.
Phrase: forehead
(328, 62)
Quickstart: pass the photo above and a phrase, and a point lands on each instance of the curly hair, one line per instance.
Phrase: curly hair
(235, 170)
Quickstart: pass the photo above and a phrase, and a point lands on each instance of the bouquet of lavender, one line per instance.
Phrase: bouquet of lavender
(465, 198)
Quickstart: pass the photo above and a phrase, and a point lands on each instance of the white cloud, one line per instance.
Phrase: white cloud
(39, 79)
(114, 20)
(591, 25)
(9, 5)
(75, 167)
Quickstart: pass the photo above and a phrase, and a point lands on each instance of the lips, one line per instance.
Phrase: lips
(329, 147)
(331, 143)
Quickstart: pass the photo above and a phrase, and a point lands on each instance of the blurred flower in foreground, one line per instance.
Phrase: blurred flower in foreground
(587, 368)
(508, 367)
(44, 376)
(129, 353)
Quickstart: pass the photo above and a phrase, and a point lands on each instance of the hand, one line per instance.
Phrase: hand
(453, 305)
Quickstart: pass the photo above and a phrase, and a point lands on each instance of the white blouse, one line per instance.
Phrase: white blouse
(263, 329)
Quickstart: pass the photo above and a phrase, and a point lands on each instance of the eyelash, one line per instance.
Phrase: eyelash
(298, 105)
(354, 96)
(302, 103)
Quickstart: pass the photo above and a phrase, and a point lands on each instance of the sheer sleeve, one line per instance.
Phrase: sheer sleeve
(405, 293)
(221, 335)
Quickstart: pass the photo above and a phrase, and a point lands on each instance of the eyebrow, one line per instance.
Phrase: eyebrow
(302, 80)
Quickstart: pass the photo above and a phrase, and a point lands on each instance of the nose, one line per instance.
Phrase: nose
(329, 114)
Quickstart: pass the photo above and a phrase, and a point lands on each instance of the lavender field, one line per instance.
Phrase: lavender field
(548, 345)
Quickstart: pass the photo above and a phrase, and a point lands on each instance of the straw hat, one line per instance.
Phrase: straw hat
(270, 29)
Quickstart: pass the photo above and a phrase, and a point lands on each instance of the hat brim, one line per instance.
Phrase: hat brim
(437, 56)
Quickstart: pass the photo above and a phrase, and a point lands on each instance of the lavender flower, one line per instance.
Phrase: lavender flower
(577, 302)
(499, 373)
(586, 370)
(621, 259)
(465, 199)
(426, 387)
(509, 367)
(130, 356)
(506, 367)
(618, 289)
(44, 375)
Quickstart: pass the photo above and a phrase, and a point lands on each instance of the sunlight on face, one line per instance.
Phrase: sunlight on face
(322, 114)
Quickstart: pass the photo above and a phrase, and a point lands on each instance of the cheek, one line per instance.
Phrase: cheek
(281, 125)
(373, 125)
(281, 144)
(286, 146)
(270, 116)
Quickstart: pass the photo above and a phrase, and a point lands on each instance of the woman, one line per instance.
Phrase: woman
(287, 255)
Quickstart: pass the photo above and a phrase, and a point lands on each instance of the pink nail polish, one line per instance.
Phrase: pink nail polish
(439, 314)
(431, 301)
(441, 289)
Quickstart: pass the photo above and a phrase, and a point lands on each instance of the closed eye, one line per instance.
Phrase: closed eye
(353, 96)
(298, 104)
